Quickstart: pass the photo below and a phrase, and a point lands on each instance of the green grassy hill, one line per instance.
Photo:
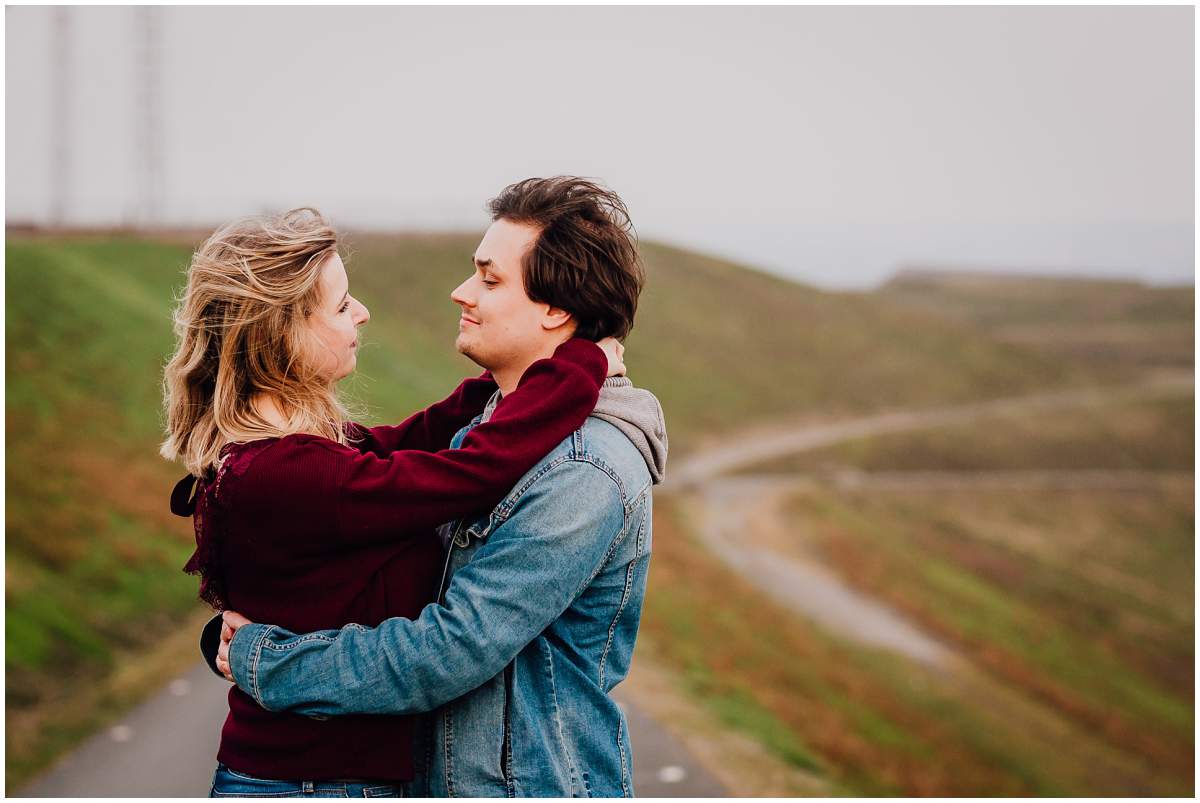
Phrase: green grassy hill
(94, 556)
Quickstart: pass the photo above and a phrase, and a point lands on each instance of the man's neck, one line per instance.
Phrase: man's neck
(508, 376)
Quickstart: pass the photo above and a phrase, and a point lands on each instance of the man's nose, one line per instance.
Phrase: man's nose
(459, 295)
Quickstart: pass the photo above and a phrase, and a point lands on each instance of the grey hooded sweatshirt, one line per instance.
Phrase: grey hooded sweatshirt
(634, 411)
(637, 413)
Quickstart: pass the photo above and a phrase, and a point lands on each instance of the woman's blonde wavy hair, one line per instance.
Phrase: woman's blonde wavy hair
(241, 331)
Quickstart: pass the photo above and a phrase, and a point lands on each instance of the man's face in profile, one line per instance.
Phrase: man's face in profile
(500, 325)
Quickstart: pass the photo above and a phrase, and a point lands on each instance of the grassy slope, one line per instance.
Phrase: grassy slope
(94, 556)
(873, 723)
(719, 341)
(1080, 599)
(1047, 591)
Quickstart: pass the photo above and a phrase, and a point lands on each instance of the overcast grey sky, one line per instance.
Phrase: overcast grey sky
(829, 144)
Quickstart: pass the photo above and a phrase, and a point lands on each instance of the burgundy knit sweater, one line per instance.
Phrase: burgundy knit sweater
(311, 535)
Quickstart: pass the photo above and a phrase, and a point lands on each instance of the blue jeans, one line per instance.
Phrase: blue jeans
(231, 783)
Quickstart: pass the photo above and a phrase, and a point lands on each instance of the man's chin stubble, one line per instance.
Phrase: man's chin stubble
(466, 350)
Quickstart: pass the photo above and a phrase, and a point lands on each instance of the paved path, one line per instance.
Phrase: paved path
(166, 747)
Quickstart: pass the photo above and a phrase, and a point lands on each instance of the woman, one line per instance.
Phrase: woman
(307, 520)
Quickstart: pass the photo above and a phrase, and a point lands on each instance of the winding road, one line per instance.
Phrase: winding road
(724, 510)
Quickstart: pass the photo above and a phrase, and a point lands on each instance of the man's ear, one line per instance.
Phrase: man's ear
(556, 318)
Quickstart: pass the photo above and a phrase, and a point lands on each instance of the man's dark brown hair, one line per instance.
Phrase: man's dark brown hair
(585, 259)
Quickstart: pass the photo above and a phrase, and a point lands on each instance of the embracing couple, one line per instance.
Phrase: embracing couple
(442, 607)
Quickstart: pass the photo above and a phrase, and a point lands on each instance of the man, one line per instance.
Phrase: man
(541, 599)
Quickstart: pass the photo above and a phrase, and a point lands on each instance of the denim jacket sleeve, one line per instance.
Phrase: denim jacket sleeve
(534, 564)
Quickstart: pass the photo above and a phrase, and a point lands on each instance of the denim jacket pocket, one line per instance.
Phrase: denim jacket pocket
(475, 746)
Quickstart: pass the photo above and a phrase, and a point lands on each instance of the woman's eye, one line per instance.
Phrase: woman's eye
(344, 307)
(491, 282)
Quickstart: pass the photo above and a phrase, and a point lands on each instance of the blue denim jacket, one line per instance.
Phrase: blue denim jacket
(536, 627)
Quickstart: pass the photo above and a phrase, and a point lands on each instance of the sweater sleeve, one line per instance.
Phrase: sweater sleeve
(408, 491)
(432, 428)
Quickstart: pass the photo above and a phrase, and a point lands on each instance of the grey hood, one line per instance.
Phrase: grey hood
(637, 413)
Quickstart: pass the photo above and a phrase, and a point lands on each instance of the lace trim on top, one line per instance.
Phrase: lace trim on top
(209, 516)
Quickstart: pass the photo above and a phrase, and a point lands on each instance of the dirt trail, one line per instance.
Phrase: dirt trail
(742, 520)
(733, 519)
(737, 517)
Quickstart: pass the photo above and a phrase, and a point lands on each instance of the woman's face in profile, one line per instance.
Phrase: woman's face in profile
(335, 322)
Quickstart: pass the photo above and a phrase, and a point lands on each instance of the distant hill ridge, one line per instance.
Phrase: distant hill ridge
(973, 275)
(1079, 297)
(1116, 327)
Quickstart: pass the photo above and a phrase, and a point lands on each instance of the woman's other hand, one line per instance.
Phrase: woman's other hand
(233, 620)
(616, 355)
